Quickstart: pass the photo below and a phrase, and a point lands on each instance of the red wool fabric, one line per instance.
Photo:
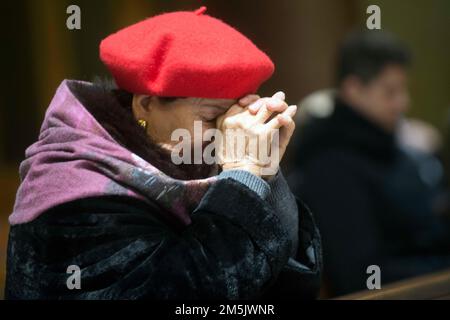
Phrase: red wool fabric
(185, 54)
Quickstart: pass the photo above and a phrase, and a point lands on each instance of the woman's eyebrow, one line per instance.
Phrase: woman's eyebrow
(218, 108)
(220, 104)
(210, 110)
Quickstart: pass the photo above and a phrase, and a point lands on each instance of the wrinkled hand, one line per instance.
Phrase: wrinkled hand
(250, 144)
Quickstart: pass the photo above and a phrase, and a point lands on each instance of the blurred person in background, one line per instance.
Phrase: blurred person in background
(373, 196)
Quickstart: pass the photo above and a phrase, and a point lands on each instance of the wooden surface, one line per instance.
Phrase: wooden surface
(9, 181)
(435, 286)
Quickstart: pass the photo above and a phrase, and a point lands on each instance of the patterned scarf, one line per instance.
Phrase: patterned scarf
(75, 157)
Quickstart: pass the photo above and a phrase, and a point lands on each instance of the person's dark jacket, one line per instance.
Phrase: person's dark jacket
(370, 202)
(235, 248)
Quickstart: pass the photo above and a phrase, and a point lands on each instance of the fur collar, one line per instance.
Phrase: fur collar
(102, 100)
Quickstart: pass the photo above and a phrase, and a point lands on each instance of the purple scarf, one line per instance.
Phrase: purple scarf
(75, 157)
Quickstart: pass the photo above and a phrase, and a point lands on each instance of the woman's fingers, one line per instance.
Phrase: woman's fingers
(279, 95)
(273, 103)
(255, 128)
(255, 106)
(286, 133)
(231, 112)
(263, 114)
(234, 110)
(282, 119)
(248, 99)
(276, 105)
(270, 106)
(286, 125)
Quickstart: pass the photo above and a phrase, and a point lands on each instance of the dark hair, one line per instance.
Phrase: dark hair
(111, 107)
(365, 53)
(124, 97)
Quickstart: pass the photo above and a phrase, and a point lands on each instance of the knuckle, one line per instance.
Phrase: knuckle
(229, 122)
(239, 122)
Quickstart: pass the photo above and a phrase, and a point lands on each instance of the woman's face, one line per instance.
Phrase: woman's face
(163, 118)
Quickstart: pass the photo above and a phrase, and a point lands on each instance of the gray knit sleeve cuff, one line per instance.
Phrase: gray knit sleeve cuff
(248, 179)
(278, 187)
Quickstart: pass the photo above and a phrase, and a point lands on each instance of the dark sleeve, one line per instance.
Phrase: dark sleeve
(343, 208)
(301, 276)
(125, 252)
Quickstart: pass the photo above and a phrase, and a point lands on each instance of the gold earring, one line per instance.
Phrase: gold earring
(143, 123)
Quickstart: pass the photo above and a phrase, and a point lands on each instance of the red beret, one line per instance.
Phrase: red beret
(185, 54)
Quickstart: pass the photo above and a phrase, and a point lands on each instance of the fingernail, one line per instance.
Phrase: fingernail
(294, 107)
(279, 95)
(273, 102)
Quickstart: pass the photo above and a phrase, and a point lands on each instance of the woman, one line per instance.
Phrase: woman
(103, 212)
